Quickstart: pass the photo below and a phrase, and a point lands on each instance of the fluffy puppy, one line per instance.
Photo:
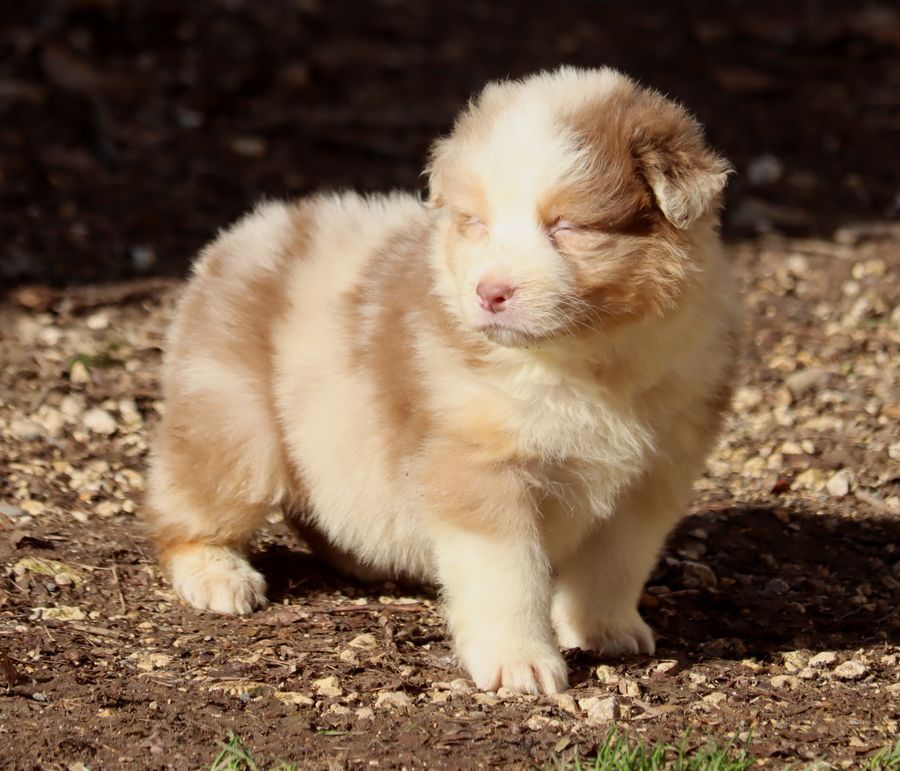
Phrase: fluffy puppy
(507, 390)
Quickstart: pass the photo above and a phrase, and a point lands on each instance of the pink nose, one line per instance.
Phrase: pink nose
(494, 297)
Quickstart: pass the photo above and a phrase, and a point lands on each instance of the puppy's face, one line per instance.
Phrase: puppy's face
(567, 203)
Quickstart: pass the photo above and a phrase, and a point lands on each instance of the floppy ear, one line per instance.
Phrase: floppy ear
(685, 175)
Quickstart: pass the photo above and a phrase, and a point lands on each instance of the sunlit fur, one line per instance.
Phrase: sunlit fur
(330, 357)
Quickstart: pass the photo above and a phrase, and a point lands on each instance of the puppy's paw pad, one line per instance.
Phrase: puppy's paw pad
(528, 668)
(624, 636)
(218, 579)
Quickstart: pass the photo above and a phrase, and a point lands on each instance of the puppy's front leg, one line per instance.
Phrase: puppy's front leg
(496, 580)
(598, 587)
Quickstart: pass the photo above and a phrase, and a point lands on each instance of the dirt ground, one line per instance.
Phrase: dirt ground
(775, 603)
(123, 149)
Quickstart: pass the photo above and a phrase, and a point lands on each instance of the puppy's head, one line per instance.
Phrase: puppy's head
(568, 202)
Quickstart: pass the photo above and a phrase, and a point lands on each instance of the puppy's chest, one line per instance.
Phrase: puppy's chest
(582, 450)
(566, 425)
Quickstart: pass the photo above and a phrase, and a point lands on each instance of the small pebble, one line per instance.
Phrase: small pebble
(79, 373)
(393, 700)
(607, 674)
(805, 379)
(715, 698)
(26, 429)
(839, 485)
(97, 321)
(850, 670)
(825, 658)
(327, 686)
(564, 702)
(11, 511)
(665, 668)
(364, 641)
(486, 699)
(99, 421)
(764, 169)
(783, 681)
(776, 587)
(628, 687)
(698, 574)
(599, 710)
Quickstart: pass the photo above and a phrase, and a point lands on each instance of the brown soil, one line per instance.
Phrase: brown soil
(119, 142)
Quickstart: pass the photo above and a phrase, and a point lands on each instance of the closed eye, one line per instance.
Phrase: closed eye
(468, 223)
(466, 218)
(562, 226)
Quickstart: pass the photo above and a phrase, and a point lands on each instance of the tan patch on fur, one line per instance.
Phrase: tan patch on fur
(466, 492)
(629, 259)
(394, 285)
(635, 138)
(200, 469)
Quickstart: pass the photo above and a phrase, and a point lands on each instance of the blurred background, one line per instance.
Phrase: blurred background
(130, 130)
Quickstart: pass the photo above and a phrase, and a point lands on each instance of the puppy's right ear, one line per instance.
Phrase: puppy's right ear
(684, 173)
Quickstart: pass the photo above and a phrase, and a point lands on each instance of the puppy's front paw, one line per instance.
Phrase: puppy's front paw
(525, 668)
(616, 635)
(218, 579)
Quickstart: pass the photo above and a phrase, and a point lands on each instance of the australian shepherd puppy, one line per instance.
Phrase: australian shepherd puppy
(506, 390)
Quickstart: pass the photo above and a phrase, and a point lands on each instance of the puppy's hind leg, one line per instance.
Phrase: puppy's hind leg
(202, 513)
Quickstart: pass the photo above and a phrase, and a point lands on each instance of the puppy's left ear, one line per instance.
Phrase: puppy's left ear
(686, 176)
(433, 171)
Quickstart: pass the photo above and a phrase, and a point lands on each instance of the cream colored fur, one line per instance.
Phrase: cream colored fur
(331, 357)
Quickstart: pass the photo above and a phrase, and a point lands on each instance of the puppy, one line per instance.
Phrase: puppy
(507, 390)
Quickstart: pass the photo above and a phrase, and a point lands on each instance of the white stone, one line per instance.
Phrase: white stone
(25, 429)
(97, 321)
(51, 420)
(49, 336)
(628, 687)
(365, 641)
(784, 681)
(607, 674)
(460, 685)
(803, 380)
(825, 658)
(99, 421)
(537, 722)
(599, 710)
(850, 670)
(839, 485)
(147, 662)
(79, 373)
(327, 686)
(61, 613)
(349, 657)
(393, 700)
(564, 702)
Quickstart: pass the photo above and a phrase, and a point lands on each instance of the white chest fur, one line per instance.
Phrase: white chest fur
(560, 418)
(587, 444)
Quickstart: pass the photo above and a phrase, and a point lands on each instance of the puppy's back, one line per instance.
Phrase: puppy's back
(220, 445)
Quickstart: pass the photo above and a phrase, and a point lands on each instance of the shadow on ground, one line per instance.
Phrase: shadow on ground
(734, 583)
